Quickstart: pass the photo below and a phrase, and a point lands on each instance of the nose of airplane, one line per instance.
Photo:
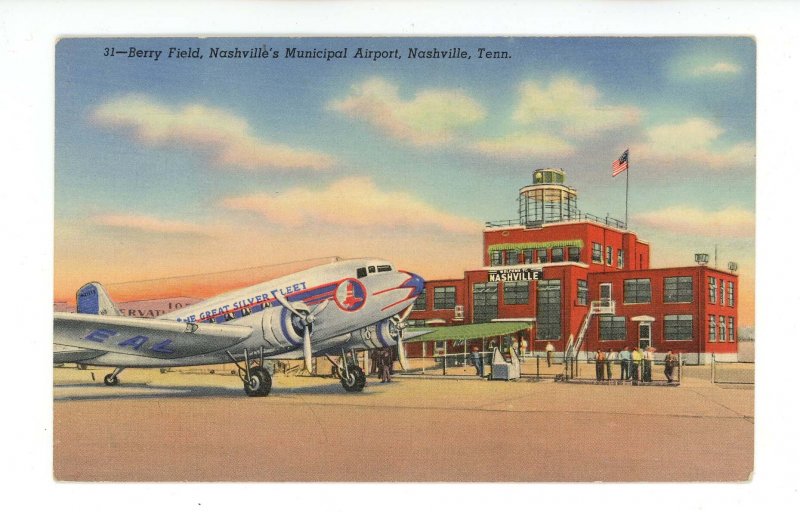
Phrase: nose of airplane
(416, 283)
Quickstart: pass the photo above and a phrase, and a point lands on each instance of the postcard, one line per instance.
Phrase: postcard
(404, 259)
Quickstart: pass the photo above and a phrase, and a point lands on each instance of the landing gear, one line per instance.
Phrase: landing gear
(354, 379)
(260, 382)
(256, 379)
(111, 379)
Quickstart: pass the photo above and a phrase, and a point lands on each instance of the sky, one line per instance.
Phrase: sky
(191, 165)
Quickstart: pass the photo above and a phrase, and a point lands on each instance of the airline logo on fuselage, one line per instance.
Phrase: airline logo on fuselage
(350, 295)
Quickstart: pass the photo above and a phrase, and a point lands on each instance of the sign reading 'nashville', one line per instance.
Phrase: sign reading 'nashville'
(517, 274)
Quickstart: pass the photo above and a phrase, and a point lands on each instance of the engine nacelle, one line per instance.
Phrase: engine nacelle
(379, 335)
(282, 329)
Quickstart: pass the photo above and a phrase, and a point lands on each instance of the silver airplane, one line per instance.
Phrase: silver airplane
(329, 309)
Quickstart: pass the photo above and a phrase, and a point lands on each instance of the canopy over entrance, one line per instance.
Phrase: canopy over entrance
(470, 331)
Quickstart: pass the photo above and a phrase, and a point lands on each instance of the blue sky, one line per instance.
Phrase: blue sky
(179, 157)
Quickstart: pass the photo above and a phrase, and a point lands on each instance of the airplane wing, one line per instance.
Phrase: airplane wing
(164, 339)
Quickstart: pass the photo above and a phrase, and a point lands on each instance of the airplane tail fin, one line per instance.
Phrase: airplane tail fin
(93, 299)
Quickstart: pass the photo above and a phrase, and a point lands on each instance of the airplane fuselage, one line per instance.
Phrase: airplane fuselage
(362, 295)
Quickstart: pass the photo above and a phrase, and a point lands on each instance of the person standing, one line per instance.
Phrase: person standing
(647, 371)
(549, 349)
(477, 360)
(599, 364)
(636, 361)
(625, 364)
(670, 361)
(611, 359)
(386, 364)
(523, 349)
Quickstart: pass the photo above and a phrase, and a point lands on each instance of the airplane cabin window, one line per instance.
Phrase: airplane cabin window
(361, 272)
(384, 268)
(371, 270)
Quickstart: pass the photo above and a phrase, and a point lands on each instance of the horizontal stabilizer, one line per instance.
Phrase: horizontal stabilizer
(146, 337)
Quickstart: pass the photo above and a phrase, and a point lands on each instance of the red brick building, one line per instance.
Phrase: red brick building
(554, 265)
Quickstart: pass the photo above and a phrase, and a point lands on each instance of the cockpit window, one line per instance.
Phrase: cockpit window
(384, 268)
(371, 270)
(361, 272)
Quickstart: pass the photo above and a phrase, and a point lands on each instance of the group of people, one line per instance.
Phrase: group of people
(382, 362)
(630, 361)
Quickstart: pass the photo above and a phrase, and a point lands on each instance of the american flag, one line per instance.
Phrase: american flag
(620, 165)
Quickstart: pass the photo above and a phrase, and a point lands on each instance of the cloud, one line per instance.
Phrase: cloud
(718, 68)
(148, 224)
(692, 141)
(226, 137)
(572, 108)
(687, 220)
(432, 118)
(524, 146)
(350, 202)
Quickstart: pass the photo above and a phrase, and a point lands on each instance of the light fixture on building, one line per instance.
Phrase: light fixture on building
(733, 266)
(701, 258)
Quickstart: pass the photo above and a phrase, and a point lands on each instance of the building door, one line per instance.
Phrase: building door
(645, 338)
(605, 291)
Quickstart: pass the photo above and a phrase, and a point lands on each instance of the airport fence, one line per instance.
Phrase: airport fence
(729, 372)
(645, 372)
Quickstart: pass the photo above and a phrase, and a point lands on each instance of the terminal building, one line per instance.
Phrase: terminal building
(582, 283)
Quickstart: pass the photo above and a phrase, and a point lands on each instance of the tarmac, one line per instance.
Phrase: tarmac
(191, 426)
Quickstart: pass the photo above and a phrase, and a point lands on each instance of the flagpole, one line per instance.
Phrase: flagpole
(627, 173)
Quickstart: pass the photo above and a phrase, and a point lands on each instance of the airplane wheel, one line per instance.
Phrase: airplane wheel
(111, 380)
(260, 382)
(357, 379)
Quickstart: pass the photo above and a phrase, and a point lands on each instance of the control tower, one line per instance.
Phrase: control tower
(547, 199)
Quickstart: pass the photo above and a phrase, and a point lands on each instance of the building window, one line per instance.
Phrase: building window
(512, 257)
(620, 258)
(484, 302)
(558, 254)
(527, 256)
(420, 303)
(444, 297)
(731, 337)
(496, 258)
(730, 293)
(613, 328)
(677, 327)
(636, 291)
(722, 336)
(712, 290)
(515, 292)
(541, 255)
(548, 309)
(609, 255)
(583, 292)
(597, 253)
(712, 328)
(574, 253)
(721, 292)
(678, 289)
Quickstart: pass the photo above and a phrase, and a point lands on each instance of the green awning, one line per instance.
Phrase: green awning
(469, 331)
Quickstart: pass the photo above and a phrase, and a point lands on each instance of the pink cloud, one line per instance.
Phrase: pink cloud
(350, 202)
(228, 138)
(148, 224)
(686, 220)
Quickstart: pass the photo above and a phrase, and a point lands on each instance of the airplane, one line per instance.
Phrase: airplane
(328, 309)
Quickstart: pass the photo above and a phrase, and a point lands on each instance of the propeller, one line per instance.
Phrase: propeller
(400, 324)
(307, 316)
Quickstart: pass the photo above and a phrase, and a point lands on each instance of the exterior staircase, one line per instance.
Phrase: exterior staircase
(597, 307)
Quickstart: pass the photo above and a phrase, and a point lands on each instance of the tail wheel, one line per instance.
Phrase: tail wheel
(260, 382)
(111, 380)
(356, 381)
